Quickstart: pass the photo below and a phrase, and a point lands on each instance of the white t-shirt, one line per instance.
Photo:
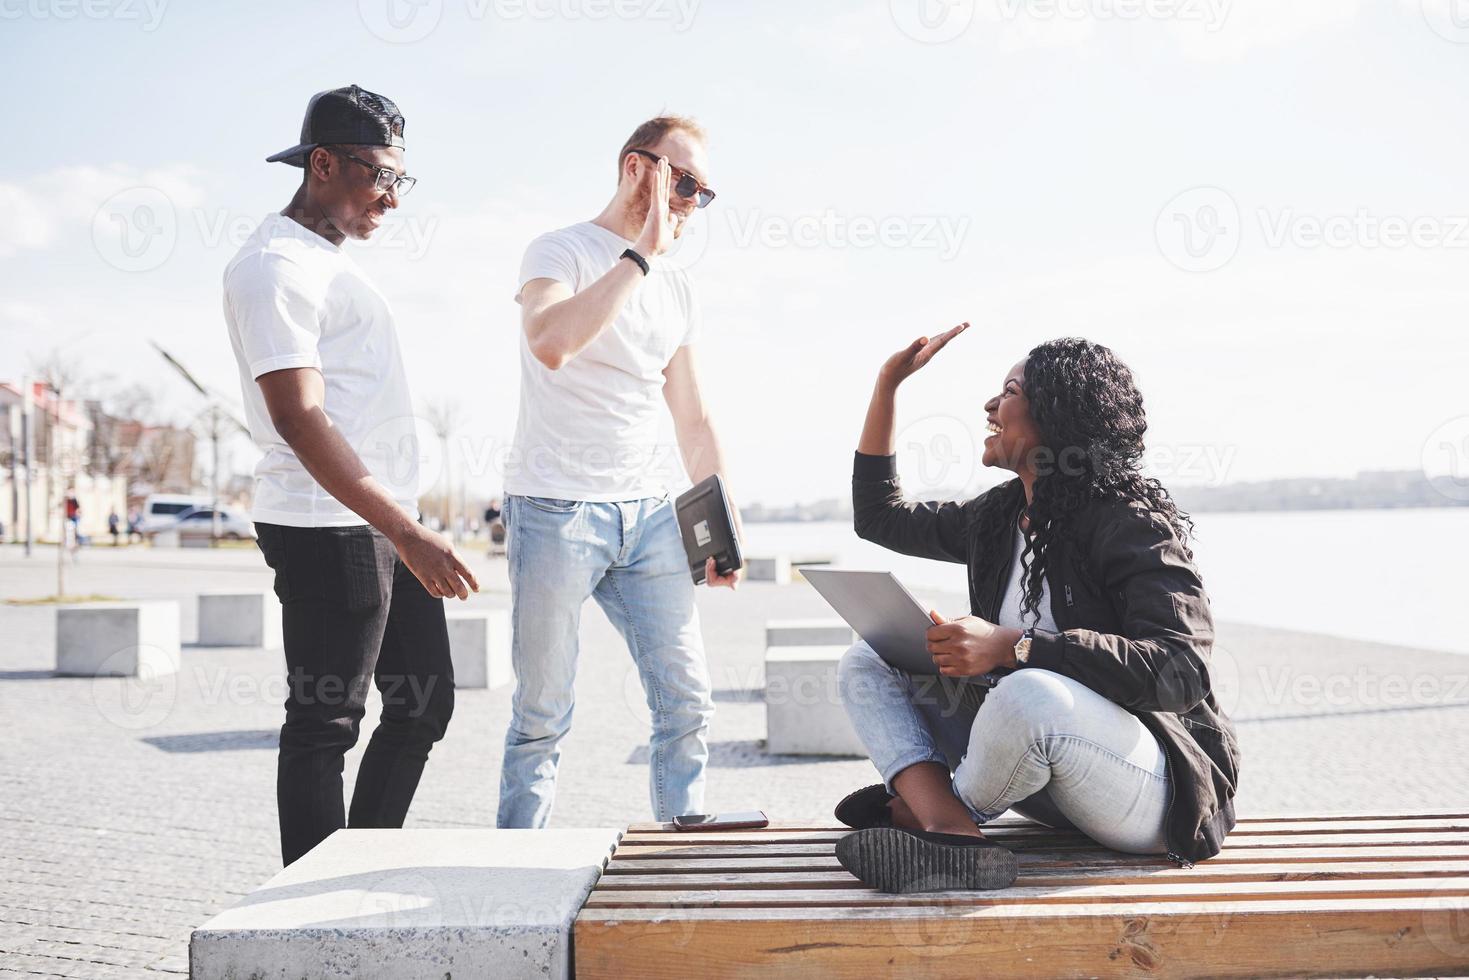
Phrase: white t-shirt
(292, 299)
(591, 430)
(1010, 616)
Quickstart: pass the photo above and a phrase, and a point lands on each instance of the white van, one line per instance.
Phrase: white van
(161, 510)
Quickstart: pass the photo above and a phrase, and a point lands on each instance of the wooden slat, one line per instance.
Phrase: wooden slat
(801, 826)
(1304, 892)
(729, 857)
(1353, 827)
(1053, 914)
(1060, 839)
(1048, 874)
(1342, 937)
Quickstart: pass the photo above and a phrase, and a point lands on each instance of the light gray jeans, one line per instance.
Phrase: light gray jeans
(1049, 746)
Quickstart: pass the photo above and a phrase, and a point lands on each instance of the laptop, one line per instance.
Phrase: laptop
(885, 615)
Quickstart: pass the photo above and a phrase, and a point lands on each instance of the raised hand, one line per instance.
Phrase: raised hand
(657, 234)
(913, 357)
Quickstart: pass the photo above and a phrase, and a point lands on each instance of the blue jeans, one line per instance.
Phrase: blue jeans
(1048, 746)
(629, 556)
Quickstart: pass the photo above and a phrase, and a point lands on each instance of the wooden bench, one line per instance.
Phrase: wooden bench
(1318, 896)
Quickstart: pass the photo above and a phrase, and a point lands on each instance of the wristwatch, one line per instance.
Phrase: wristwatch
(1022, 647)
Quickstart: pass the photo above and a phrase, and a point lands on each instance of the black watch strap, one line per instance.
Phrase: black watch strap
(642, 263)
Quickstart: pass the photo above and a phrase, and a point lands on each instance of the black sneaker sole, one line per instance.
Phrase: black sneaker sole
(899, 862)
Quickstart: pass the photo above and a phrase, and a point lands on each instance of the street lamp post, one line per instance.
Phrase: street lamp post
(12, 428)
(28, 446)
(217, 415)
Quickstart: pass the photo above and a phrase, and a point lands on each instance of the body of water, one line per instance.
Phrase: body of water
(1393, 576)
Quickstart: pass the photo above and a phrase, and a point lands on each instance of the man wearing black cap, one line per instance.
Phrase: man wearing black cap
(361, 582)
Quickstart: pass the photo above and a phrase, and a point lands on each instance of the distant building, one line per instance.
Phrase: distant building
(107, 462)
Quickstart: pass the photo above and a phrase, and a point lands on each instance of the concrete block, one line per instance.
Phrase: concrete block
(240, 619)
(479, 644)
(166, 539)
(808, 633)
(768, 568)
(370, 904)
(803, 705)
(117, 639)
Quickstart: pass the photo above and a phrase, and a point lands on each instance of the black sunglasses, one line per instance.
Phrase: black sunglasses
(686, 185)
(383, 179)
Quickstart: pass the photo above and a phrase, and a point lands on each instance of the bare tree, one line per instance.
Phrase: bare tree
(64, 378)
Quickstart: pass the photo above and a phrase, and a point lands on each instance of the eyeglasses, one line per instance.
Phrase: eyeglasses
(384, 179)
(687, 184)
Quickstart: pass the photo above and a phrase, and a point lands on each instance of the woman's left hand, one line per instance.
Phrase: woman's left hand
(970, 646)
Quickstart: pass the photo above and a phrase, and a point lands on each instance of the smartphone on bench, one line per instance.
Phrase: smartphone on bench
(740, 820)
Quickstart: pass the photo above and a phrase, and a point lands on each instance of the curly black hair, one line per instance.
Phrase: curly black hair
(1089, 411)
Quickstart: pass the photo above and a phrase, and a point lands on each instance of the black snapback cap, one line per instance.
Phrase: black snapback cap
(345, 115)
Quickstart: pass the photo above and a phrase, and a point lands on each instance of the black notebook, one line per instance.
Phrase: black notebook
(707, 527)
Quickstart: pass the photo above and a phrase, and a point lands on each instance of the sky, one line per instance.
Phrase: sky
(1257, 203)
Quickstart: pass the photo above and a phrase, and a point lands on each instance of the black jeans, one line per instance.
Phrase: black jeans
(353, 614)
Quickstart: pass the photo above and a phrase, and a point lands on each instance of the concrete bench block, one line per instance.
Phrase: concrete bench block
(768, 568)
(808, 633)
(117, 639)
(803, 705)
(240, 619)
(479, 644)
(369, 904)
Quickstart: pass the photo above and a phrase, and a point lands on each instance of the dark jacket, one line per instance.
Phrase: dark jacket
(1133, 617)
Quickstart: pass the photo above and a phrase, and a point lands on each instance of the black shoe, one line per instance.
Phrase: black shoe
(900, 861)
(867, 807)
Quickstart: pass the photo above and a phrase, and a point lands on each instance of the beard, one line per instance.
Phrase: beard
(637, 212)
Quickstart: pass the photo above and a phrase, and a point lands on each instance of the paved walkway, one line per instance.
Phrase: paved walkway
(126, 824)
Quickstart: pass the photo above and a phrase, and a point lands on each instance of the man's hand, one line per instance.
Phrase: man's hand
(970, 646)
(713, 579)
(436, 564)
(657, 235)
(910, 359)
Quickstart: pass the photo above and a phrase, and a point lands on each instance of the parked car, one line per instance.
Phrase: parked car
(162, 510)
(197, 522)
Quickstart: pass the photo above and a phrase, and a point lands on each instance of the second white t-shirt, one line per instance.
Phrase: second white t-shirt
(591, 430)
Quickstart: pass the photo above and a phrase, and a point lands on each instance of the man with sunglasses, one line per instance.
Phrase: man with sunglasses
(607, 343)
(361, 582)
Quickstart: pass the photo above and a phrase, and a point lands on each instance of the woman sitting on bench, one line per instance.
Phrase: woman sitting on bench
(1077, 691)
